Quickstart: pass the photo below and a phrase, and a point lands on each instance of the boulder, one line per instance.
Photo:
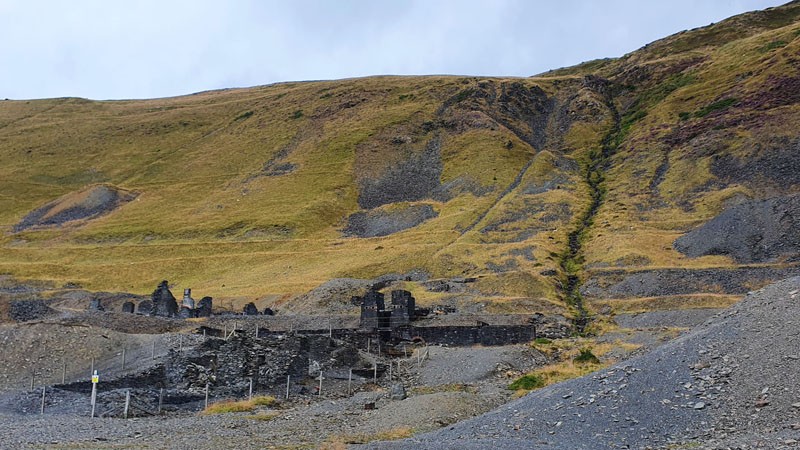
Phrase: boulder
(268, 311)
(128, 307)
(397, 392)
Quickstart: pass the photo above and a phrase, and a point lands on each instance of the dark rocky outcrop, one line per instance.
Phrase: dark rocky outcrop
(268, 311)
(86, 204)
(128, 307)
(655, 283)
(25, 310)
(756, 231)
(413, 179)
(164, 303)
(378, 222)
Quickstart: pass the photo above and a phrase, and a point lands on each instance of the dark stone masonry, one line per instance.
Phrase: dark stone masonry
(394, 324)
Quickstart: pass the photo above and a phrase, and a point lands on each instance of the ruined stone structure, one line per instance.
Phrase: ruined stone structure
(95, 305)
(228, 364)
(164, 303)
(204, 307)
(188, 301)
(145, 307)
(375, 314)
(393, 323)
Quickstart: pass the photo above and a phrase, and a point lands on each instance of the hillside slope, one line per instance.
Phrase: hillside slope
(715, 387)
(565, 187)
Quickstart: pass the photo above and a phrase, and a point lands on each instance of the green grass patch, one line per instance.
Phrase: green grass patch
(527, 382)
(585, 356)
(719, 105)
(773, 45)
(243, 116)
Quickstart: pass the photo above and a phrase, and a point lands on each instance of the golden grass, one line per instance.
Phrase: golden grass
(208, 219)
(237, 406)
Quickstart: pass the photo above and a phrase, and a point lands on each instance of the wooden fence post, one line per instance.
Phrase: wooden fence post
(127, 403)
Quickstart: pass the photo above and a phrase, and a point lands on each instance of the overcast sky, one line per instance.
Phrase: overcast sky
(108, 49)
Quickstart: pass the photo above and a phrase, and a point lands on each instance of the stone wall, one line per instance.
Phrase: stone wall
(488, 335)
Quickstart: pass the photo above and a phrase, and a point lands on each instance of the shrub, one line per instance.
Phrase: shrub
(543, 341)
(527, 382)
(243, 115)
(586, 357)
(297, 114)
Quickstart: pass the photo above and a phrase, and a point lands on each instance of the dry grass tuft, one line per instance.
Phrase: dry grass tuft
(233, 406)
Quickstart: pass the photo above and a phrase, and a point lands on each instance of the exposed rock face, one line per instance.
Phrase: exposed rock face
(25, 310)
(164, 303)
(204, 307)
(758, 231)
(86, 204)
(128, 307)
(654, 283)
(250, 309)
(378, 222)
(413, 179)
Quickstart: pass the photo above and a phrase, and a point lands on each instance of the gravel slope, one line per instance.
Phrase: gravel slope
(730, 383)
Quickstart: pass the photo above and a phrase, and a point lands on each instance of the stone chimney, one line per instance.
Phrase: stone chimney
(188, 301)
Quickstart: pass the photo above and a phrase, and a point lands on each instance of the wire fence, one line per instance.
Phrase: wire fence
(132, 359)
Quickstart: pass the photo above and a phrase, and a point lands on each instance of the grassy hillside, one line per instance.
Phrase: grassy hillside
(211, 212)
(267, 192)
